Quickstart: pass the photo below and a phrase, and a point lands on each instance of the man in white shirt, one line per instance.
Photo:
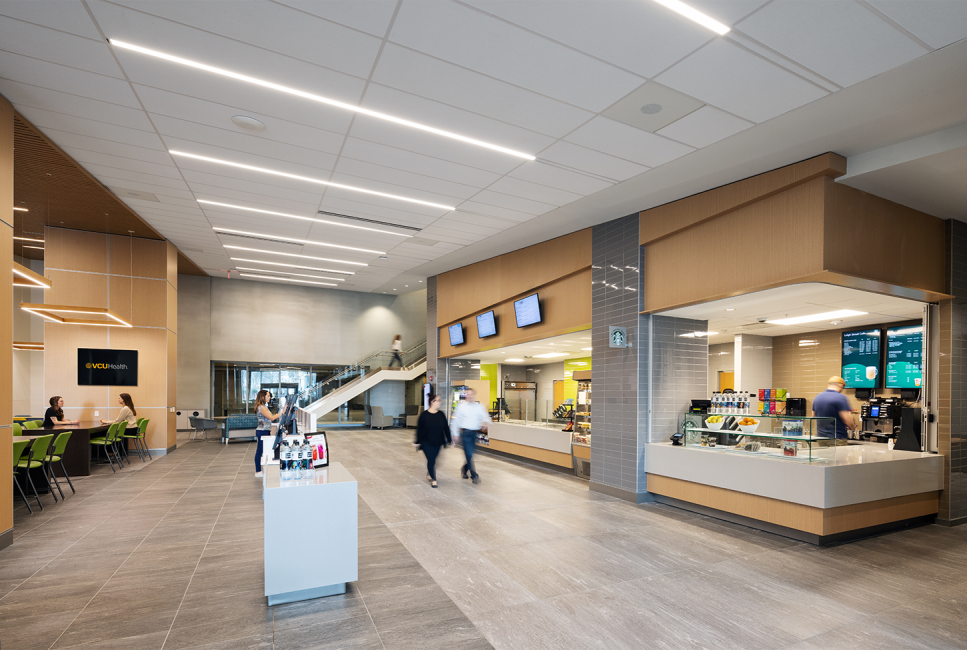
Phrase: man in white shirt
(469, 419)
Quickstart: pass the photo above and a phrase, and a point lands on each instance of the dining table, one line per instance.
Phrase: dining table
(77, 455)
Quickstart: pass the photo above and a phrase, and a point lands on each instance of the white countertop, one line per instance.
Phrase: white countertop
(334, 473)
(541, 436)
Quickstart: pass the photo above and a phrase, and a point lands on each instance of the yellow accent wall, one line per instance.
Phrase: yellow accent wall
(489, 372)
(571, 386)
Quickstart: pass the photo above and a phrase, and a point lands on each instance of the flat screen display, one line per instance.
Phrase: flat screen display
(904, 348)
(107, 367)
(527, 310)
(456, 334)
(486, 325)
(861, 358)
(874, 411)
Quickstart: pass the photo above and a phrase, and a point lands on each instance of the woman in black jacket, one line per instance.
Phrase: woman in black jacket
(432, 432)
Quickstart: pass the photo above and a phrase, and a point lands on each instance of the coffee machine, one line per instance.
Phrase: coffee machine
(881, 419)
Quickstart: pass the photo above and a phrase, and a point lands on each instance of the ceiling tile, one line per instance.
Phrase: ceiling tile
(64, 15)
(127, 176)
(562, 179)
(704, 126)
(372, 16)
(939, 23)
(533, 191)
(67, 140)
(394, 215)
(444, 30)
(388, 188)
(227, 189)
(404, 179)
(68, 80)
(48, 121)
(730, 77)
(617, 139)
(115, 162)
(471, 207)
(842, 41)
(57, 47)
(375, 152)
(588, 160)
(512, 202)
(727, 12)
(29, 98)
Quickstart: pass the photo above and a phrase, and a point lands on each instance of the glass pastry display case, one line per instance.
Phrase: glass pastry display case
(773, 436)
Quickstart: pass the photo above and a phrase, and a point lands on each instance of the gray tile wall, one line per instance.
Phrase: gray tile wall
(432, 332)
(952, 429)
(679, 373)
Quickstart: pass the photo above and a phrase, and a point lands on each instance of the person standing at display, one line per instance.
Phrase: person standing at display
(432, 433)
(469, 419)
(831, 403)
(264, 427)
(55, 414)
(127, 415)
(397, 352)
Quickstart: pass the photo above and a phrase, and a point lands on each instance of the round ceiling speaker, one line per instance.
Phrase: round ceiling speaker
(649, 109)
(252, 124)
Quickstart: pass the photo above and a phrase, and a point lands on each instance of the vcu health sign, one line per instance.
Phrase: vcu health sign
(107, 367)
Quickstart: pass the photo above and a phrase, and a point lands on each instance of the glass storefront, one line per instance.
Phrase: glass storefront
(236, 384)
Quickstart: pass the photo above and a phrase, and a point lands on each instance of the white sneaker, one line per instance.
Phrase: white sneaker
(258, 474)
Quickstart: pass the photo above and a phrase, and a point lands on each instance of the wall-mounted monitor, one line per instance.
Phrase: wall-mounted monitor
(904, 361)
(486, 325)
(107, 367)
(527, 310)
(456, 334)
(861, 358)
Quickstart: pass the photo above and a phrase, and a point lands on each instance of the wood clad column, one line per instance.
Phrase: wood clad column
(6, 323)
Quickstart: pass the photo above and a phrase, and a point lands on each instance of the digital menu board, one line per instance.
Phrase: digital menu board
(456, 334)
(861, 358)
(527, 310)
(486, 325)
(904, 349)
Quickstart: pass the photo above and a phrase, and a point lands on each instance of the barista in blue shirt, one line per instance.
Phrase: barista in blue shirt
(831, 403)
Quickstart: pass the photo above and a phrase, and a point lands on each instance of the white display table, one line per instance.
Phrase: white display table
(311, 534)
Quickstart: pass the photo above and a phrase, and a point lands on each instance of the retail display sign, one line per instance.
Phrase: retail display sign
(486, 325)
(904, 349)
(107, 367)
(861, 358)
(456, 334)
(320, 449)
(618, 337)
(527, 310)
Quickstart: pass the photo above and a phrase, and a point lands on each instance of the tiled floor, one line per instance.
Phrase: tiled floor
(169, 555)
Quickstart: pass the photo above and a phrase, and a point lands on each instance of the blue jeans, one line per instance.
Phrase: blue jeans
(468, 438)
(397, 359)
(258, 449)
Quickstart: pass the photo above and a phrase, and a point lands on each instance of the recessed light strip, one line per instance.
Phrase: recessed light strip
(694, 14)
(293, 239)
(291, 266)
(301, 275)
(295, 216)
(316, 98)
(843, 313)
(318, 181)
(270, 277)
(24, 277)
(40, 241)
(305, 257)
(21, 209)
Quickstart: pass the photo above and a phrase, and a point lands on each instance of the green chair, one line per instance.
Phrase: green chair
(134, 434)
(107, 442)
(142, 433)
(17, 429)
(33, 424)
(57, 456)
(38, 450)
(19, 447)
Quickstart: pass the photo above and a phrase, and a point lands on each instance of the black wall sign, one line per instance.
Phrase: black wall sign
(107, 367)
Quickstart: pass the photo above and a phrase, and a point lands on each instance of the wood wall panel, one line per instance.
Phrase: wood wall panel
(6, 316)
(476, 287)
(870, 237)
(864, 515)
(670, 218)
(152, 347)
(773, 241)
(172, 429)
(77, 289)
(172, 366)
(171, 265)
(150, 300)
(60, 364)
(75, 250)
(172, 311)
(149, 257)
(543, 455)
(565, 308)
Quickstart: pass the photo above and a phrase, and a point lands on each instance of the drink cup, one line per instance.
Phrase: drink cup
(871, 372)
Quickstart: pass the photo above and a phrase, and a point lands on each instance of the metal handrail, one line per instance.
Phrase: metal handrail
(351, 369)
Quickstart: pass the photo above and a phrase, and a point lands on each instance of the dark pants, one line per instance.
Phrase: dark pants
(469, 439)
(431, 451)
(258, 449)
(397, 359)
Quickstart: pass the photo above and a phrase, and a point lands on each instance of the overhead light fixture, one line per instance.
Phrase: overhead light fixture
(28, 346)
(318, 181)
(301, 275)
(550, 355)
(293, 266)
(730, 309)
(304, 257)
(51, 312)
(295, 216)
(21, 209)
(274, 277)
(513, 359)
(585, 349)
(805, 343)
(24, 277)
(40, 248)
(694, 14)
(293, 239)
(694, 335)
(842, 313)
(316, 98)
(579, 363)
(39, 241)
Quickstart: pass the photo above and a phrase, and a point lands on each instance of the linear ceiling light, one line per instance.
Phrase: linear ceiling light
(513, 359)
(550, 355)
(305, 257)
(692, 335)
(21, 209)
(51, 312)
(40, 248)
(292, 266)
(293, 239)
(301, 275)
(24, 277)
(40, 241)
(843, 313)
(295, 216)
(272, 277)
(28, 345)
(694, 14)
(316, 98)
(318, 181)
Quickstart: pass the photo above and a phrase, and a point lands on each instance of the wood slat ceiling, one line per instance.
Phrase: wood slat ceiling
(58, 192)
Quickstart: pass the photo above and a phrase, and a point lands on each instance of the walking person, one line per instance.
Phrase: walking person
(397, 352)
(470, 419)
(264, 427)
(432, 433)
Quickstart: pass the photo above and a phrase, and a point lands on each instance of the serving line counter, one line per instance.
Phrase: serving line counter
(851, 491)
(545, 443)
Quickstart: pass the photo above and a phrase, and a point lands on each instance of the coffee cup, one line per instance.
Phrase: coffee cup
(871, 372)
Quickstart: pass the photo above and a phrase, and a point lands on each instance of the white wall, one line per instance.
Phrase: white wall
(753, 364)
(390, 395)
(28, 367)
(721, 358)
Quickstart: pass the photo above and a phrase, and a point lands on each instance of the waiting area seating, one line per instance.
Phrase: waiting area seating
(377, 420)
(412, 415)
(240, 425)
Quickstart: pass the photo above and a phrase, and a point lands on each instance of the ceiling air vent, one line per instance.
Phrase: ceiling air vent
(373, 221)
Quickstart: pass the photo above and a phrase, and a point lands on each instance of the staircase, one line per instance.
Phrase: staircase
(328, 395)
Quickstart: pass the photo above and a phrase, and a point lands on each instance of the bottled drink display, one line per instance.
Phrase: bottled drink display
(295, 460)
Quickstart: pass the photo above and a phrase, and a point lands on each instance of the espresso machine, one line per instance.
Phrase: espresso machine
(881, 419)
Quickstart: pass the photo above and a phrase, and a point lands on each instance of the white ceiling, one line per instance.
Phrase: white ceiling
(789, 81)
(571, 346)
(792, 301)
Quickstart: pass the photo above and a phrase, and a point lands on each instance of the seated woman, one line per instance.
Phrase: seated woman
(127, 414)
(55, 414)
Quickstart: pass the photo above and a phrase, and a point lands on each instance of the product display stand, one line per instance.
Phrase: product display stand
(311, 534)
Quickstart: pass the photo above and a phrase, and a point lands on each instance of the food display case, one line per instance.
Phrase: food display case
(775, 436)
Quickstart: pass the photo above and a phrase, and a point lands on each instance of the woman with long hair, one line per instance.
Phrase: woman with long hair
(432, 433)
(128, 414)
(55, 414)
(264, 428)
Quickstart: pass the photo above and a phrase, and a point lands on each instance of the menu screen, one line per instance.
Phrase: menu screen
(527, 310)
(904, 348)
(861, 358)
(456, 334)
(486, 326)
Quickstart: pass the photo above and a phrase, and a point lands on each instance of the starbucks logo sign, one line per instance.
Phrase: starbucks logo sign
(618, 337)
